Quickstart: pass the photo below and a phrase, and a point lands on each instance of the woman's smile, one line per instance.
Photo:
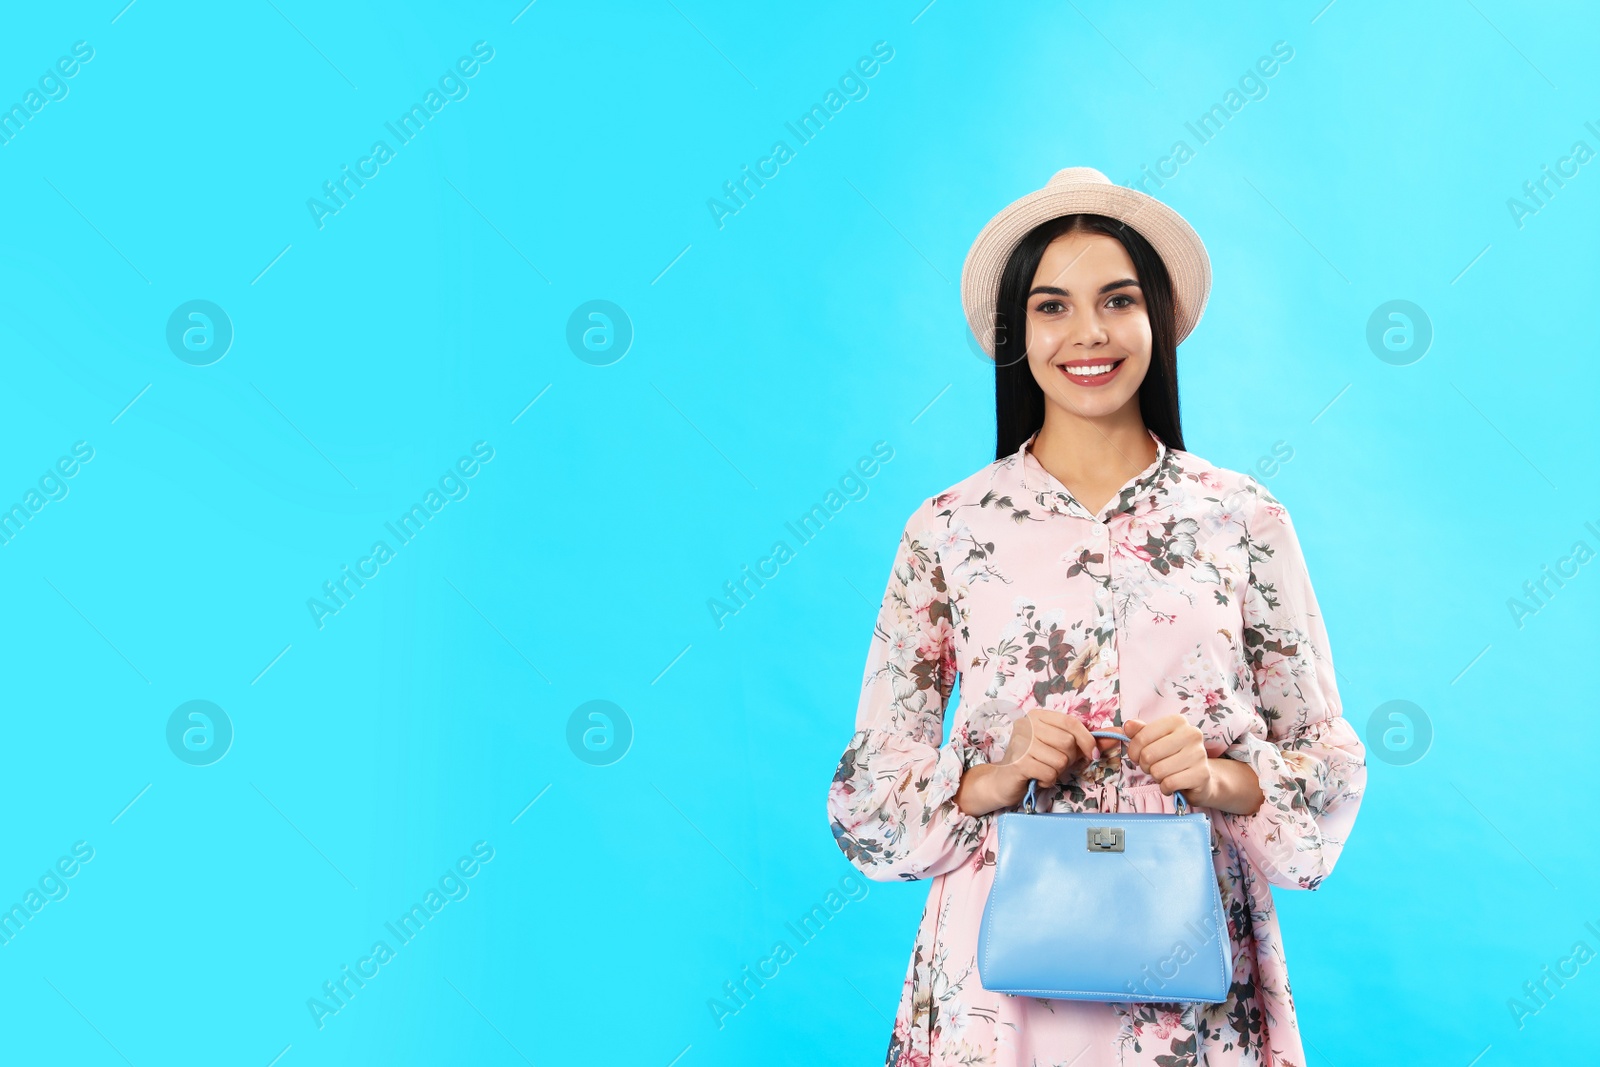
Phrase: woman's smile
(1091, 372)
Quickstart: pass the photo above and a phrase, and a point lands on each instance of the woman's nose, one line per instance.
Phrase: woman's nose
(1085, 330)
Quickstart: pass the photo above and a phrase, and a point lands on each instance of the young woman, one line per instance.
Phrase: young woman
(1095, 576)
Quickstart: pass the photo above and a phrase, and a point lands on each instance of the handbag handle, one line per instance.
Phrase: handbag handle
(1029, 804)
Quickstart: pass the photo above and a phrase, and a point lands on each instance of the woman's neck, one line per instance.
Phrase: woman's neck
(1094, 457)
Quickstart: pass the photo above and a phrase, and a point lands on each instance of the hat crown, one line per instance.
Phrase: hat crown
(1079, 174)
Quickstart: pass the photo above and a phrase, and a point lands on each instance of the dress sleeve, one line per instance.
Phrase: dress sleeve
(1308, 757)
(892, 800)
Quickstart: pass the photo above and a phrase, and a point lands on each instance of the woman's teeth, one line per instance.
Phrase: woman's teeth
(1098, 374)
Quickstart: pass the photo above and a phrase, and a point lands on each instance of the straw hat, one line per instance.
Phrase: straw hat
(1084, 190)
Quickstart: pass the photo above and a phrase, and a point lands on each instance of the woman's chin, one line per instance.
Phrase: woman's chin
(1088, 403)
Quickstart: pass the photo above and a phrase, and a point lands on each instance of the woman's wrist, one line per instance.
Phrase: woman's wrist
(986, 787)
(1234, 787)
(971, 796)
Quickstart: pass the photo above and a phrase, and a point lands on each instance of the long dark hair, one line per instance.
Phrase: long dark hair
(1018, 400)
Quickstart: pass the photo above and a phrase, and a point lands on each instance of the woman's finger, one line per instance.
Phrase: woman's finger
(1062, 742)
(1060, 752)
(1058, 732)
(1177, 763)
(1038, 769)
(1189, 779)
(1158, 749)
(1054, 747)
(1083, 740)
(1130, 727)
(1145, 734)
(1054, 718)
(1021, 740)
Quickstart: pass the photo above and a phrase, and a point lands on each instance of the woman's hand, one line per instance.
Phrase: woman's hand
(1173, 752)
(1045, 745)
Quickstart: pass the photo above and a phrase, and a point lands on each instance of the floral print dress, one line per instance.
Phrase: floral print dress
(1186, 594)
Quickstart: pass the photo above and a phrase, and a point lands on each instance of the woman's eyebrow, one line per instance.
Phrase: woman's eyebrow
(1106, 288)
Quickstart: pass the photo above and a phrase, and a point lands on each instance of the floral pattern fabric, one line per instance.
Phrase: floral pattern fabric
(1186, 594)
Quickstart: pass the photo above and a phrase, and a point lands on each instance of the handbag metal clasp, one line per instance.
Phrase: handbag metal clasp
(1105, 839)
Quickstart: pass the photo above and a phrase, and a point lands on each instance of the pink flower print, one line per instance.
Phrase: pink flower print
(934, 639)
(838, 789)
(1210, 480)
(1130, 550)
(1097, 716)
(1276, 678)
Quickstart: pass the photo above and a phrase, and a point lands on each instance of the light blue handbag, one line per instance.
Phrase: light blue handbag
(1105, 906)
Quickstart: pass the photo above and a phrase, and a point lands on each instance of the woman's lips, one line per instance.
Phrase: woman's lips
(1074, 376)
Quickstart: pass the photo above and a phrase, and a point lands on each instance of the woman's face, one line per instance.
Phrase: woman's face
(1087, 314)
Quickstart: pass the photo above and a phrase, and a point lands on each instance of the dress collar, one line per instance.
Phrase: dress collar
(1053, 495)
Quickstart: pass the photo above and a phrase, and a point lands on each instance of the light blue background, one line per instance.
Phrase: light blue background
(768, 356)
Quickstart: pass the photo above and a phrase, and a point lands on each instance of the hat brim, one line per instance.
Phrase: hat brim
(1174, 240)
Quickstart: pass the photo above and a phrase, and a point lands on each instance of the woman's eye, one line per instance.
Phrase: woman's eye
(1122, 296)
(1048, 307)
